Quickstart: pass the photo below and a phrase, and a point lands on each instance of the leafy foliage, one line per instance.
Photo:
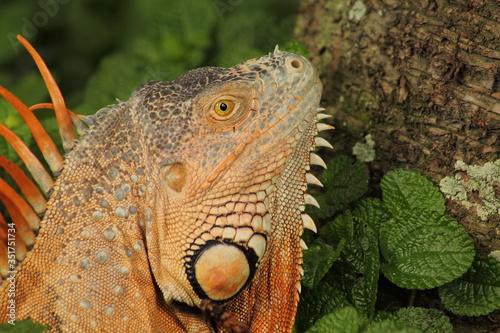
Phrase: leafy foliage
(390, 326)
(316, 303)
(105, 50)
(424, 249)
(407, 320)
(426, 320)
(318, 259)
(477, 292)
(346, 320)
(296, 47)
(420, 248)
(347, 181)
(358, 265)
(404, 189)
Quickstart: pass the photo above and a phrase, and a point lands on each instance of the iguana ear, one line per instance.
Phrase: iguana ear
(174, 176)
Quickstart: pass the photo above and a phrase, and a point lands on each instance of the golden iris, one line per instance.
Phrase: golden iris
(224, 107)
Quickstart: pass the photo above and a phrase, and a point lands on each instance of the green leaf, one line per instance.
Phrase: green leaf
(31, 89)
(342, 227)
(119, 75)
(166, 41)
(317, 261)
(318, 302)
(345, 320)
(346, 181)
(382, 315)
(477, 292)
(357, 269)
(12, 22)
(424, 249)
(368, 215)
(25, 326)
(253, 29)
(426, 320)
(372, 211)
(404, 190)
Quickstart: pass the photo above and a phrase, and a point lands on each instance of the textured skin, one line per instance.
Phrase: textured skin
(158, 177)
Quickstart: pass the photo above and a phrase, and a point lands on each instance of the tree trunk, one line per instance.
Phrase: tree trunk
(422, 77)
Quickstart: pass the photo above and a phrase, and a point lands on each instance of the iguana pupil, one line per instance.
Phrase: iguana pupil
(223, 106)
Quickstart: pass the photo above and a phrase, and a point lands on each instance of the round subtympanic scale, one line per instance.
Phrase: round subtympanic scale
(221, 271)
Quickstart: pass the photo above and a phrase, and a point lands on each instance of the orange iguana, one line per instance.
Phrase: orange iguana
(180, 210)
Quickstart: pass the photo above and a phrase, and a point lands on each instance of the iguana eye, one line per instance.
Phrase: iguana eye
(223, 109)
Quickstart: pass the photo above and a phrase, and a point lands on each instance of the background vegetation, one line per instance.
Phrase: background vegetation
(102, 50)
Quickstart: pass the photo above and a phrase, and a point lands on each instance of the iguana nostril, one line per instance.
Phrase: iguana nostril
(295, 65)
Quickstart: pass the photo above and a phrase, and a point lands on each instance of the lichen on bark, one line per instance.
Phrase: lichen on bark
(474, 186)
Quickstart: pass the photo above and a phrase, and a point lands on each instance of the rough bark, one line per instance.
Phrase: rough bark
(422, 77)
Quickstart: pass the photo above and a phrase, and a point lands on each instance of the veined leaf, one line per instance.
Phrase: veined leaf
(342, 227)
(368, 216)
(424, 249)
(426, 320)
(391, 326)
(318, 302)
(11, 118)
(346, 181)
(404, 190)
(357, 268)
(477, 292)
(318, 259)
(372, 212)
(346, 320)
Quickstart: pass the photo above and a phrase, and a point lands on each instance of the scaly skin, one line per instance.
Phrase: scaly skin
(170, 199)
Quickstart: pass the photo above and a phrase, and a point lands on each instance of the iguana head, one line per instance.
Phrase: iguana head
(228, 151)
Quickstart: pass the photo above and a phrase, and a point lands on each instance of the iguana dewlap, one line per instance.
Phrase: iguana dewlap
(192, 190)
